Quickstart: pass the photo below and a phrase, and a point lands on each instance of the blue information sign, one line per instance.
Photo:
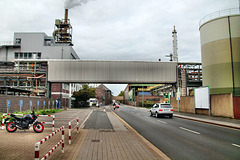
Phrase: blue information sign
(8, 103)
(38, 103)
(30, 103)
(44, 103)
(21, 103)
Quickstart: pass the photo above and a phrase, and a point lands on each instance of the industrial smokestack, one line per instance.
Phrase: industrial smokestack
(66, 16)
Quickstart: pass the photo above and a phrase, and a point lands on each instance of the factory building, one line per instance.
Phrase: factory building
(23, 63)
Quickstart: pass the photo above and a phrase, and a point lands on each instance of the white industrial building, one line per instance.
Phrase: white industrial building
(23, 65)
(36, 45)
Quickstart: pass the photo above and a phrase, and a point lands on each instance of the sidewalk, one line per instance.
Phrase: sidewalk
(103, 144)
(121, 142)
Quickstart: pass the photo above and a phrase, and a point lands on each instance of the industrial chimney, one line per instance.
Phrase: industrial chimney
(66, 16)
(63, 30)
(175, 54)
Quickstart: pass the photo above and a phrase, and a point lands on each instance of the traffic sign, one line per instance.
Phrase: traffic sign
(8, 103)
(30, 103)
(38, 102)
(21, 103)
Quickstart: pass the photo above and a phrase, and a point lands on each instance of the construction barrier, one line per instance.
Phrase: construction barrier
(4, 114)
(37, 145)
(70, 130)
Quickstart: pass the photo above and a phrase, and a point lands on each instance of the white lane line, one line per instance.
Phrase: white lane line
(189, 130)
(236, 145)
(162, 122)
(146, 117)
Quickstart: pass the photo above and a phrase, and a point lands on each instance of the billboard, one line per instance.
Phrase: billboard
(202, 98)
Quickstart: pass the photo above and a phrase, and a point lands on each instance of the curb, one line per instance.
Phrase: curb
(218, 123)
(157, 153)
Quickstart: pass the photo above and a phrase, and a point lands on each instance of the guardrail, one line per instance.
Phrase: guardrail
(70, 130)
(53, 122)
(37, 145)
(225, 12)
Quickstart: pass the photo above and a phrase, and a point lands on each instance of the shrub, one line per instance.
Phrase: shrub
(147, 104)
(37, 112)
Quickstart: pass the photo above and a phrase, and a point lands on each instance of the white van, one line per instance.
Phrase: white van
(93, 101)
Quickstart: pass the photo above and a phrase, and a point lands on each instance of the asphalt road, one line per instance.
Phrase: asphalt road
(184, 139)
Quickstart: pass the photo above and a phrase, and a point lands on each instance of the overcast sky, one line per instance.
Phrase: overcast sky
(117, 29)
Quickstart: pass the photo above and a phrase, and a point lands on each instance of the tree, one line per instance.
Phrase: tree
(83, 95)
(121, 93)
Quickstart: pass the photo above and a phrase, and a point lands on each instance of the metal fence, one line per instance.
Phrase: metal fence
(225, 12)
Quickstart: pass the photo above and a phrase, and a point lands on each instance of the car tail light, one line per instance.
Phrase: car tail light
(171, 109)
(160, 110)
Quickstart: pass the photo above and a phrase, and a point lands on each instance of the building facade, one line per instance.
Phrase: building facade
(23, 65)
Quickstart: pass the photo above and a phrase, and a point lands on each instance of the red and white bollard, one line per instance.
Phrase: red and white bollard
(70, 128)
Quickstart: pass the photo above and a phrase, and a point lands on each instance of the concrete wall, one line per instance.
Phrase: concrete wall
(155, 99)
(221, 105)
(15, 103)
(186, 104)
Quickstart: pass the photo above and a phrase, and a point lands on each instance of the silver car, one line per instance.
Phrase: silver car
(162, 109)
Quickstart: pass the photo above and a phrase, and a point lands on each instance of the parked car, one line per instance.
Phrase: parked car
(162, 109)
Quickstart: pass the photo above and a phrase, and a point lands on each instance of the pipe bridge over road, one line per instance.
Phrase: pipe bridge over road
(118, 72)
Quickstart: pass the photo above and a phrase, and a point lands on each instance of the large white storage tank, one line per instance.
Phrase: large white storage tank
(220, 48)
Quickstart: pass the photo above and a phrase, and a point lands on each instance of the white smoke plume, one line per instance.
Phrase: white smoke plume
(73, 3)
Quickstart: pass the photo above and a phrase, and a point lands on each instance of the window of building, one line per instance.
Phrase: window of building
(30, 55)
(38, 55)
(18, 41)
(25, 55)
(16, 56)
(21, 56)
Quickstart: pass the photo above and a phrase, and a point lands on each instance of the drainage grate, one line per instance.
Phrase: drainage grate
(106, 130)
(96, 140)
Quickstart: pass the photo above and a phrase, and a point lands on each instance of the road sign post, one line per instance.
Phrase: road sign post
(21, 104)
(30, 105)
(8, 104)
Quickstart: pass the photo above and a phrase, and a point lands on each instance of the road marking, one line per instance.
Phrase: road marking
(162, 122)
(189, 130)
(146, 117)
(236, 145)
